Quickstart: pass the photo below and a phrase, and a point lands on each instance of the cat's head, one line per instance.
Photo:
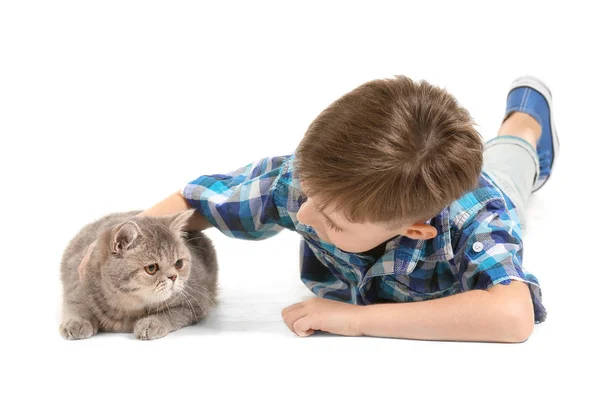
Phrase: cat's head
(146, 258)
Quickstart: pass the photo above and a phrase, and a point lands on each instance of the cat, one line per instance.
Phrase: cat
(145, 275)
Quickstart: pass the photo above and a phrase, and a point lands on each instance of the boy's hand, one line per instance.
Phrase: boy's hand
(322, 314)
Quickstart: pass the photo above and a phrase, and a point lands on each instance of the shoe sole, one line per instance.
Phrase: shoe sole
(538, 85)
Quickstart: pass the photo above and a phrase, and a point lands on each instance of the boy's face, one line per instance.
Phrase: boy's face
(333, 228)
(354, 237)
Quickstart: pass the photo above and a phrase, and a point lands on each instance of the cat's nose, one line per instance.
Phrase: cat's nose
(172, 277)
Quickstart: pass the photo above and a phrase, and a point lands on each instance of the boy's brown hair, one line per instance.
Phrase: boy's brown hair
(391, 151)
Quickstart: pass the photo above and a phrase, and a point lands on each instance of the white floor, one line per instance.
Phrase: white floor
(111, 109)
(244, 351)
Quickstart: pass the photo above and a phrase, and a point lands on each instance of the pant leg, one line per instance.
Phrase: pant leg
(514, 165)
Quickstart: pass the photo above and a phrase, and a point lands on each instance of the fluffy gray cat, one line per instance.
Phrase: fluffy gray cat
(145, 275)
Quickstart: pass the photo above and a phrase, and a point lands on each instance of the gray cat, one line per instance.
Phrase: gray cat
(145, 275)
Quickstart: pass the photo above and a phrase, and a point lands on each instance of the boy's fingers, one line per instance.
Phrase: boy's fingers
(291, 308)
(302, 327)
(291, 317)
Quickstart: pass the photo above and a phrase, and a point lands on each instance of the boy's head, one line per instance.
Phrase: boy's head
(384, 159)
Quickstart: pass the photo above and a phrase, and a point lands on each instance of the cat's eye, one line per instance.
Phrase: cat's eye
(179, 264)
(151, 269)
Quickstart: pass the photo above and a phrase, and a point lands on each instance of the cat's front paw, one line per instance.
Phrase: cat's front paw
(150, 328)
(76, 329)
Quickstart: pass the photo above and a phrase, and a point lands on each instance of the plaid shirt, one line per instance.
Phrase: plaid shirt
(478, 244)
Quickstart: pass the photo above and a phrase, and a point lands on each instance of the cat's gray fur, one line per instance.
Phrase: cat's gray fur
(116, 294)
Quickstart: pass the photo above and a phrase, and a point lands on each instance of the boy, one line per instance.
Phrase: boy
(404, 233)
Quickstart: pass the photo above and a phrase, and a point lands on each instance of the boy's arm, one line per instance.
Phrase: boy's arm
(240, 203)
(503, 313)
(243, 203)
(174, 204)
(496, 302)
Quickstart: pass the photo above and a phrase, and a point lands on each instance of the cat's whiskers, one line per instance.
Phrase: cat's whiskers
(190, 305)
(192, 239)
(157, 305)
(171, 319)
(191, 291)
(191, 287)
(160, 285)
(198, 293)
(197, 302)
(169, 309)
(176, 287)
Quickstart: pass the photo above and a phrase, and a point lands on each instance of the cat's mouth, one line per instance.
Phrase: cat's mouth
(165, 289)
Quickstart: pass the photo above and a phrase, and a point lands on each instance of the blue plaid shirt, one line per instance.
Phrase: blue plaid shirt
(478, 244)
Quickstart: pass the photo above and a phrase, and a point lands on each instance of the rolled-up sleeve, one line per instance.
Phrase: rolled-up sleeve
(490, 252)
(241, 203)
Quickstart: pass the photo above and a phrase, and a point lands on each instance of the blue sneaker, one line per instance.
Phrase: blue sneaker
(529, 95)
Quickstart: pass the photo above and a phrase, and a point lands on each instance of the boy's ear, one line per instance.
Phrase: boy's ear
(421, 231)
(180, 221)
(124, 237)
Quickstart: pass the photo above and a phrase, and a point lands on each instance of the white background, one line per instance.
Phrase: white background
(113, 105)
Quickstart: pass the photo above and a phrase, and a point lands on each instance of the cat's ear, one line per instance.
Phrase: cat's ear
(180, 221)
(124, 237)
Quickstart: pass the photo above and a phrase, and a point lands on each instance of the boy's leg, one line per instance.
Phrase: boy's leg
(521, 158)
(511, 159)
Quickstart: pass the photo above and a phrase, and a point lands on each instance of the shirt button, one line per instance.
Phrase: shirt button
(477, 246)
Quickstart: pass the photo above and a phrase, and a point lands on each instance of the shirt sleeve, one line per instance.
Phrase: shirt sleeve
(490, 252)
(241, 203)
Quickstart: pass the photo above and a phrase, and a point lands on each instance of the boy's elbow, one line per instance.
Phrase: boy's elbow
(518, 323)
(515, 309)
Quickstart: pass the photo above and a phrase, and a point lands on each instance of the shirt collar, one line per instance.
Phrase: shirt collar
(402, 254)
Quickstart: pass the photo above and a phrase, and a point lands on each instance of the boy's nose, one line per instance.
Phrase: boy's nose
(303, 214)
